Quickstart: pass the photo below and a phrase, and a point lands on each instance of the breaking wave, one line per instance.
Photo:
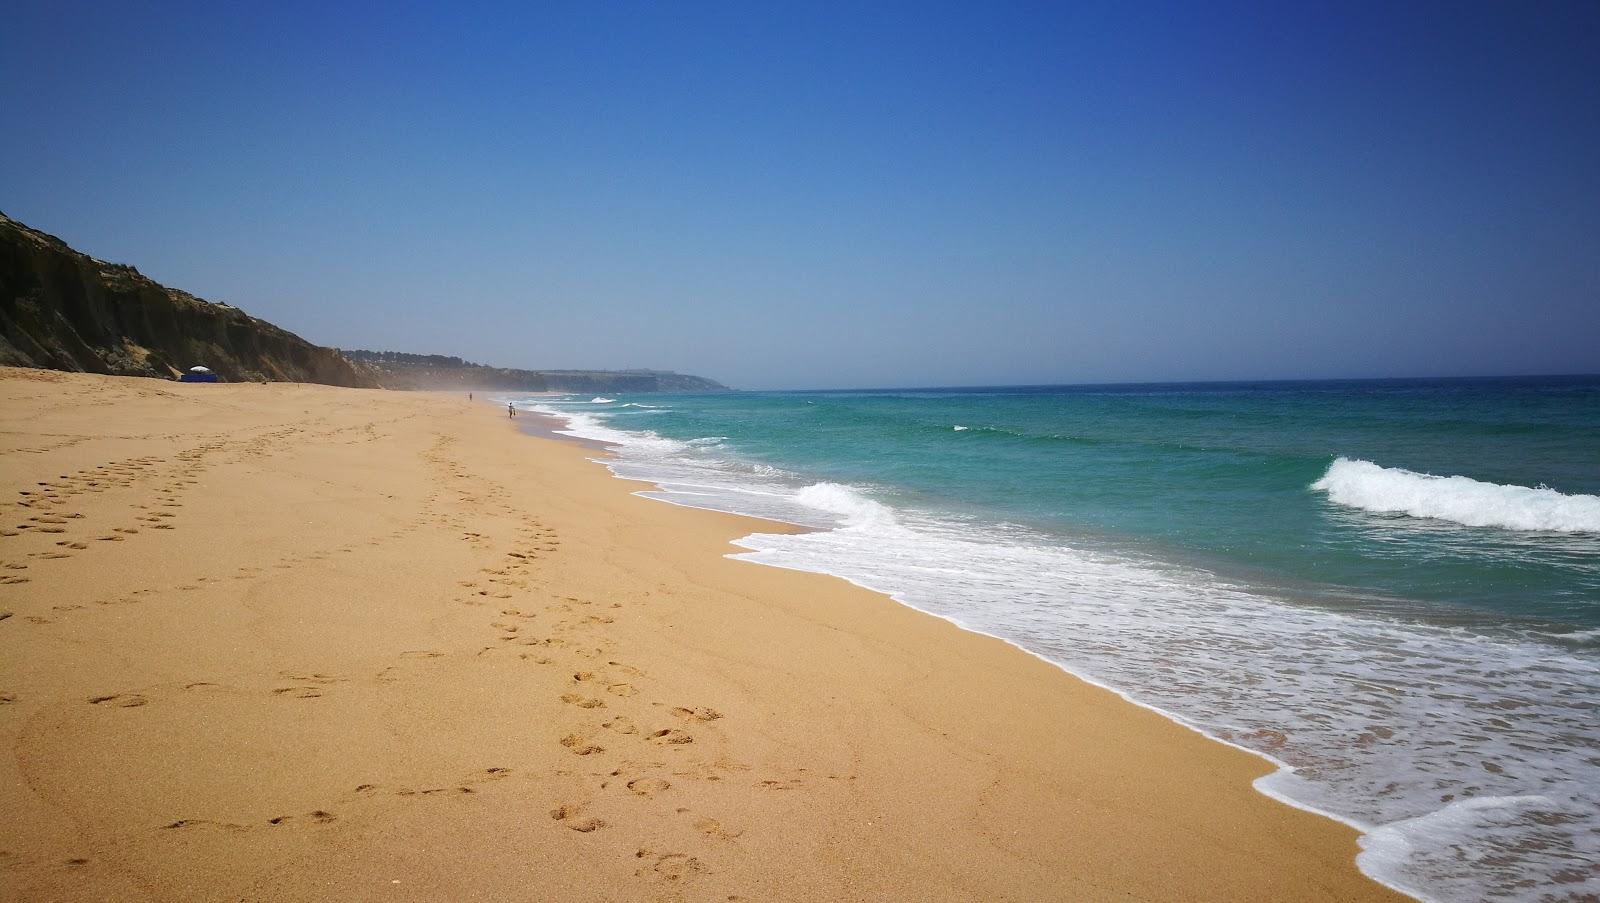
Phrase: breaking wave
(1462, 500)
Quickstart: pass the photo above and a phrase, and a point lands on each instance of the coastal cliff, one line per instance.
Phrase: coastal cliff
(61, 309)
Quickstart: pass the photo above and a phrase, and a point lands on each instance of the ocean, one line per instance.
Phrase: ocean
(1389, 588)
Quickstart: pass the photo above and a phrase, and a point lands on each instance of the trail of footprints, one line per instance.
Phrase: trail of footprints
(626, 740)
(630, 741)
(48, 508)
(623, 738)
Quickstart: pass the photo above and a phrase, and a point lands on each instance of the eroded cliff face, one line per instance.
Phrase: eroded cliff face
(64, 310)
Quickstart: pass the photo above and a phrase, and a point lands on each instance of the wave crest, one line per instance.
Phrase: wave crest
(1363, 484)
(847, 503)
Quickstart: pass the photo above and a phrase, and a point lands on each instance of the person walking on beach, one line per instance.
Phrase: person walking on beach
(511, 410)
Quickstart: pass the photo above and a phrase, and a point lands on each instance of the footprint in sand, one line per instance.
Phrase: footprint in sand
(621, 689)
(698, 713)
(582, 702)
(420, 653)
(320, 816)
(670, 736)
(714, 828)
(581, 746)
(568, 815)
(315, 677)
(648, 786)
(298, 692)
(201, 822)
(121, 700)
(670, 867)
(435, 790)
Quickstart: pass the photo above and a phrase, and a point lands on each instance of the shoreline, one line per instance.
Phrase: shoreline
(551, 426)
(730, 731)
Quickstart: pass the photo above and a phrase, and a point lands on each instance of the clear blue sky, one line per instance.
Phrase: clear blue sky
(842, 195)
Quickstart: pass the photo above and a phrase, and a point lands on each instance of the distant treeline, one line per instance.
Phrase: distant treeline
(406, 358)
(403, 370)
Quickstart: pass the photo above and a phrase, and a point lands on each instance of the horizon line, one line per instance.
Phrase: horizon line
(1177, 382)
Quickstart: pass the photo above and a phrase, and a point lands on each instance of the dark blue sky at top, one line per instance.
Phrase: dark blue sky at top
(833, 195)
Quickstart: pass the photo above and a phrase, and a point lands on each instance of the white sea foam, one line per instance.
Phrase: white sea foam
(857, 511)
(1448, 844)
(598, 400)
(1590, 637)
(1471, 763)
(1365, 485)
(959, 428)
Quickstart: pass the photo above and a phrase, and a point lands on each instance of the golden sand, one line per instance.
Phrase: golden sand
(299, 643)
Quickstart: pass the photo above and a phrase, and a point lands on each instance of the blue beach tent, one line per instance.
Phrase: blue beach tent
(198, 375)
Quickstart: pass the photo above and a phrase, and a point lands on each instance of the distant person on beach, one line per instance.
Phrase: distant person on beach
(511, 410)
(469, 396)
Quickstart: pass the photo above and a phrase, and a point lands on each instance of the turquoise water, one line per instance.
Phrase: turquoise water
(1392, 588)
(1218, 473)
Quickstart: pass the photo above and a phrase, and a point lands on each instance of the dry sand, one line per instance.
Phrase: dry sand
(300, 643)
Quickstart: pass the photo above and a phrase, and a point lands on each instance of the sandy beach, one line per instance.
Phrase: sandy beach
(290, 642)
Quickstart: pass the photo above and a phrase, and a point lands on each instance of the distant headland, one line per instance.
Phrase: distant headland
(399, 370)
